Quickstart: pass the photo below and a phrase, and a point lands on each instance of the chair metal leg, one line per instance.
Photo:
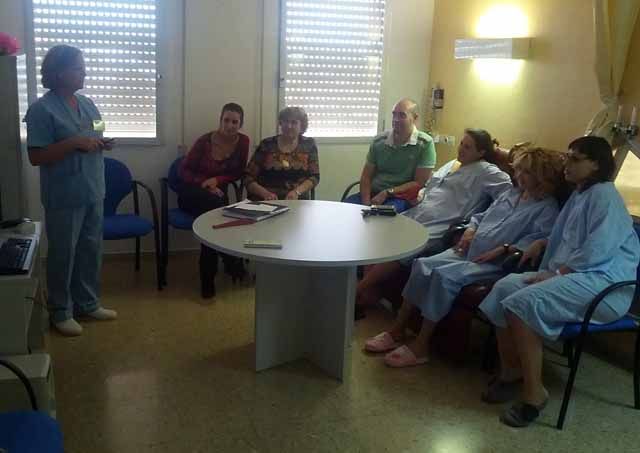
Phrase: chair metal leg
(137, 254)
(25, 382)
(159, 258)
(165, 254)
(569, 386)
(568, 351)
(164, 228)
(164, 238)
(636, 373)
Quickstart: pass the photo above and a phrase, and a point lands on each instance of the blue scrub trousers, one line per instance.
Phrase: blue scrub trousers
(74, 260)
(398, 203)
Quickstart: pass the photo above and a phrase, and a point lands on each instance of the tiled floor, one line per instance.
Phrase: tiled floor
(175, 375)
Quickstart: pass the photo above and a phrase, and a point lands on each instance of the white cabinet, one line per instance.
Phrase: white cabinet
(23, 323)
(23, 317)
(37, 368)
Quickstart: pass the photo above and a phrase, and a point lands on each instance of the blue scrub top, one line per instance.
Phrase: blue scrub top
(78, 179)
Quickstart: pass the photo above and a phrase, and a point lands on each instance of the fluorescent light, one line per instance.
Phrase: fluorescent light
(509, 48)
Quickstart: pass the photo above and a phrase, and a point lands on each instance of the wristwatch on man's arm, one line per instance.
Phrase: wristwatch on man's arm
(391, 191)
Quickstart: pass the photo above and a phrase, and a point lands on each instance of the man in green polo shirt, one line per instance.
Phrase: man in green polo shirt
(399, 162)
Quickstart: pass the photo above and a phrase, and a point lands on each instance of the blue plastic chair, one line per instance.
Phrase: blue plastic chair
(574, 335)
(28, 431)
(119, 184)
(176, 217)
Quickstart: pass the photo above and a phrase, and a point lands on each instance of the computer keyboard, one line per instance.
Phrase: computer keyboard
(13, 254)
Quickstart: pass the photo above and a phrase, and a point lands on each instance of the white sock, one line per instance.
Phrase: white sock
(69, 328)
(103, 314)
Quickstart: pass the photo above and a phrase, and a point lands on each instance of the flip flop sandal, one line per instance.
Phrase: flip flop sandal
(403, 357)
(382, 342)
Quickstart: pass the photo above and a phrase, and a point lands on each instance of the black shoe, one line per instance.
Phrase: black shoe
(498, 391)
(234, 268)
(208, 271)
(359, 312)
(207, 290)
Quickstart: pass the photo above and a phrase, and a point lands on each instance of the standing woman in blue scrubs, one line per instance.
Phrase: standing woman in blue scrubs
(64, 138)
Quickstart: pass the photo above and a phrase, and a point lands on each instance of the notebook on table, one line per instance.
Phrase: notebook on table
(253, 210)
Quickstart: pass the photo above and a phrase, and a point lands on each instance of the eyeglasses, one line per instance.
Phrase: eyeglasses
(574, 158)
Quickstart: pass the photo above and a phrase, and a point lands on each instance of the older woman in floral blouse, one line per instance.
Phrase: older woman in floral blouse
(284, 166)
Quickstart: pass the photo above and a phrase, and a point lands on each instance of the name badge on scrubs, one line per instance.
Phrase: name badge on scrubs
(98, 125)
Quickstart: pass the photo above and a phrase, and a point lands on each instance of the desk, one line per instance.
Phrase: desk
(305, 292)
(22, 322)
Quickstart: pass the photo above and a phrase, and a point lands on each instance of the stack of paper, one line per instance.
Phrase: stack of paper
(254, 210)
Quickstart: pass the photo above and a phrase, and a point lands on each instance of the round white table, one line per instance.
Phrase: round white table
(305, 292)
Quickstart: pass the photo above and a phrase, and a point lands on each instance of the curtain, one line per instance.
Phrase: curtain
(614, 22)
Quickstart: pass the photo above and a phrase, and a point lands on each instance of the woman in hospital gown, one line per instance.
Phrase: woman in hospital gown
(458, 190)
(518, 218)
(592, 245)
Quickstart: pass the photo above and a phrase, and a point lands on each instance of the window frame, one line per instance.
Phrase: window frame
(282, 72)
(627, 145)
(33, 78)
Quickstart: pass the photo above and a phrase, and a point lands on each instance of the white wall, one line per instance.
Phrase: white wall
(231, 54)
(222, 56)
(12, 18)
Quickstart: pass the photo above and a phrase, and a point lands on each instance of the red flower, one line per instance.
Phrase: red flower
(8, 44)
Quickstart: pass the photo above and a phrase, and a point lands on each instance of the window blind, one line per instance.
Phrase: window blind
(332, 64)
(118, 40)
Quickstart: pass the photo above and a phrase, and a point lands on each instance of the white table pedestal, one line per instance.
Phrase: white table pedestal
(305, 291)
(304, 312)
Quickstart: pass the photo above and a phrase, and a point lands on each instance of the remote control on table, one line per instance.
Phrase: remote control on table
(257, 244)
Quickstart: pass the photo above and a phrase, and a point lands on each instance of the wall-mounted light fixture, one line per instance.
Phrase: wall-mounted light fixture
(503, 48)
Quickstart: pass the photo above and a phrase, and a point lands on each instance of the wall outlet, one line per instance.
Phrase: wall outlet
(449, 140)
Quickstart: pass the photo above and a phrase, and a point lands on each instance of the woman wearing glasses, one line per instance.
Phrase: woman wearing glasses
(285, 166)
(592, 245)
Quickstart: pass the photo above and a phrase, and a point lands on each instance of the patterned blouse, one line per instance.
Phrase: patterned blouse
(199, 164)
(280, 172)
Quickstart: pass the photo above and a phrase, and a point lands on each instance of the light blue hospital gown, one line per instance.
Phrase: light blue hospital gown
(594, 237)
(72, 192)
(436, 281)
(453, 197)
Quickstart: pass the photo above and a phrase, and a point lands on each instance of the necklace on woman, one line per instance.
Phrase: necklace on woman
(286, 149)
